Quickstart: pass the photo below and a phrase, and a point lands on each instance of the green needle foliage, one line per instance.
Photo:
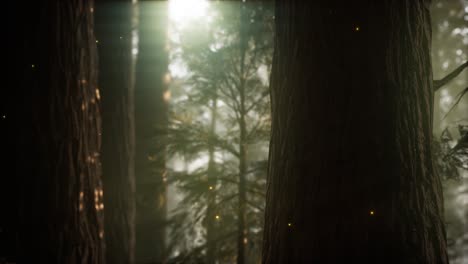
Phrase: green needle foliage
(219, 105)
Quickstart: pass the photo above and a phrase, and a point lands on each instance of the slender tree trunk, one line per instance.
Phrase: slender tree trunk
(151, 96)
(59, 169)
(351, 178)
(241, 228)
(211, 230)
(115, 23)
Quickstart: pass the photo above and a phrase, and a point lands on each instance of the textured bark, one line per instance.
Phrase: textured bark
(351, 178)
(115, 21)
(151, 112)
(59, 169)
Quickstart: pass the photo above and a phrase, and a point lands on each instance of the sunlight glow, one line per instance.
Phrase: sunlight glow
(181, 11)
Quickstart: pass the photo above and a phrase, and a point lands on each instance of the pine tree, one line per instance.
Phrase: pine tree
(226, 118)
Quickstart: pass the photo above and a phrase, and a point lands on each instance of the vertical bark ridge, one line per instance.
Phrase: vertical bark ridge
(350, 171)
(115, 25)
(60, 175)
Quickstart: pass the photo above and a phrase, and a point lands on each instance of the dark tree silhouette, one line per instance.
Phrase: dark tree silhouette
(114, 25)
(58, 123)
(351, 177)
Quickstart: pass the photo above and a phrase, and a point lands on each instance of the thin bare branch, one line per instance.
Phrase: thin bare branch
(261, 209)
(264, 94)
(439, 83)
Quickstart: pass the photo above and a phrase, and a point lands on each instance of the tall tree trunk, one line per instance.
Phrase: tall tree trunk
(211, 230)
(351, 178)
(151, 95)
(242, 215)
(59, 125)
(116, 25)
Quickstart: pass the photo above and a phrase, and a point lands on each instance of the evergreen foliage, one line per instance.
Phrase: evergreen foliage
(204, 132)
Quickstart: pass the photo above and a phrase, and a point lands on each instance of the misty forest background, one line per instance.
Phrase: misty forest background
(189, 169)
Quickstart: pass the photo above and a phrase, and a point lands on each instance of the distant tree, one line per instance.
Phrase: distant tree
(58, 126)
(351, 177)
(151, 86)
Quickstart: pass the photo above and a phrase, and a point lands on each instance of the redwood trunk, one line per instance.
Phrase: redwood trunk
(116, 80)
(351, 178)
(58, 123)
